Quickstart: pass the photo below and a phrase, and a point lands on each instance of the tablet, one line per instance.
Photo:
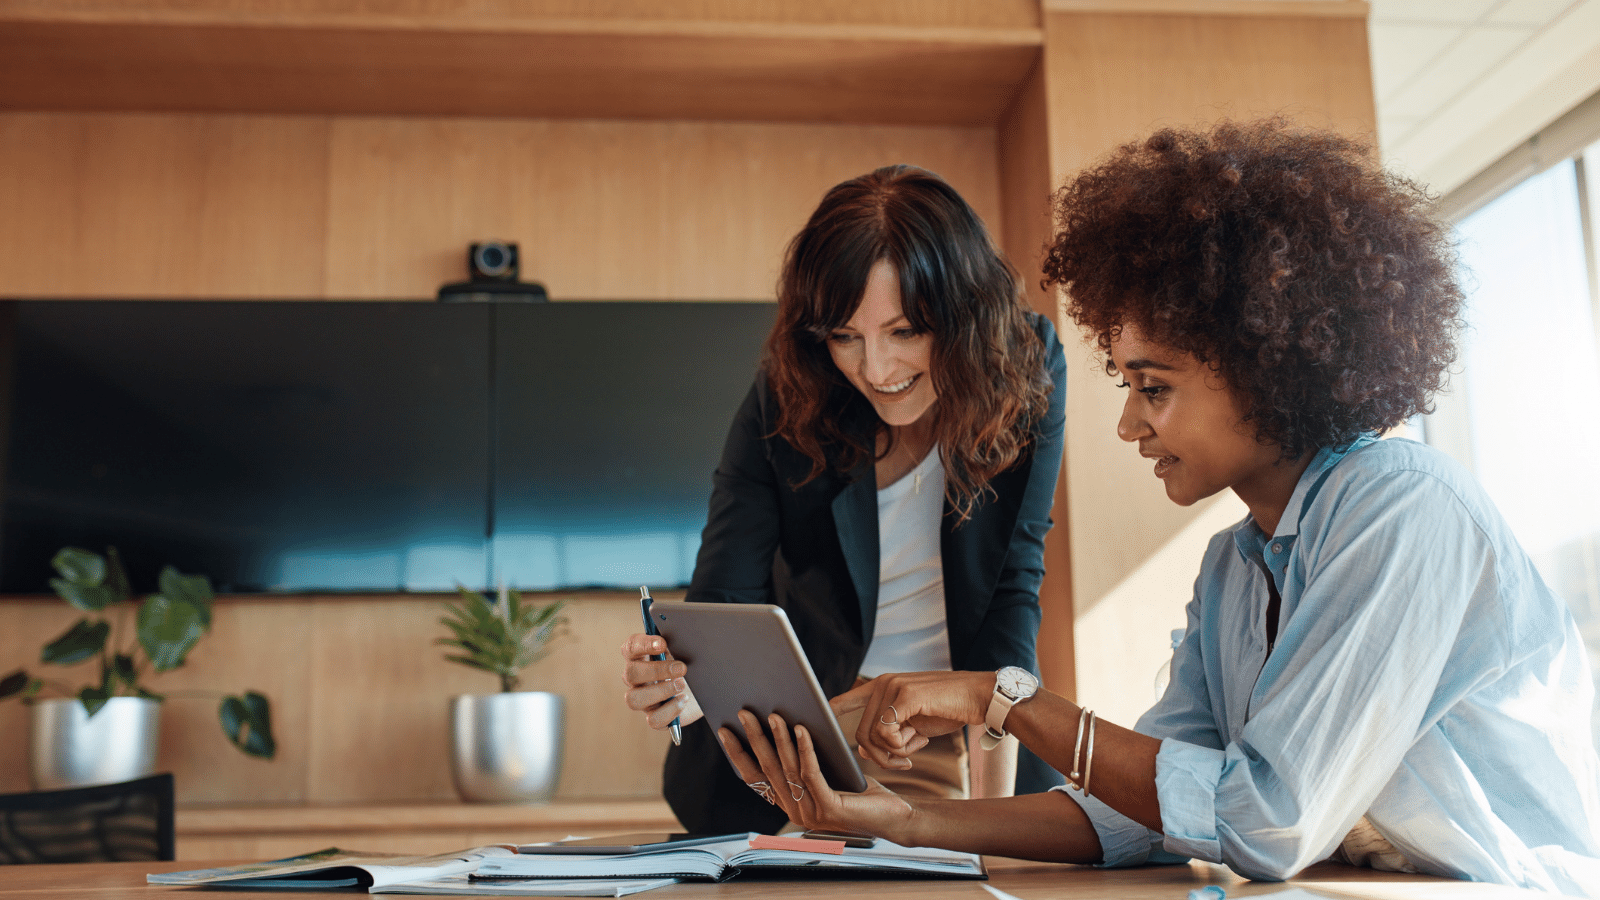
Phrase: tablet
(745, 656)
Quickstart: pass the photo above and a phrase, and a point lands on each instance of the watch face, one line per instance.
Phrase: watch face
(1015, 682)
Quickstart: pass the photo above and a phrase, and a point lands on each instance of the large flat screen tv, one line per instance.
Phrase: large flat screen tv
(297, 447)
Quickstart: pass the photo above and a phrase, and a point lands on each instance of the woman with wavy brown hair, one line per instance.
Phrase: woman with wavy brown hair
(1373, 671)
(906, 424)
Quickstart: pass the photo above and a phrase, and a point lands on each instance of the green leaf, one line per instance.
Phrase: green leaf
(247, 721)
(94, 698)
(78, 643)
(473, 662)
(499, 639)
(167, 630)
(123, 669)
(80, 566)
(117, 577)
(14, 684)
(87, 597)
(194, 590)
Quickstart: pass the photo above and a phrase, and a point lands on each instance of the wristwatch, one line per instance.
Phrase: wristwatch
(1012, 685)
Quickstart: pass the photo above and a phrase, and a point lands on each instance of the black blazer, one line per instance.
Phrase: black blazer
(813, 550)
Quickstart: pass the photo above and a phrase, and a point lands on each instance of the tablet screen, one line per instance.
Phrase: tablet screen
(745, 656)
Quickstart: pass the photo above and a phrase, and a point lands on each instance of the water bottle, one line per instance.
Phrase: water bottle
(1164, 674)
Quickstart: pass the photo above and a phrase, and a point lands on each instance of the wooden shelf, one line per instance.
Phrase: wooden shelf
(215, 56)
(260, 821)
(266, 832)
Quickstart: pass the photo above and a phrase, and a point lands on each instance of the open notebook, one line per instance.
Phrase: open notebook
(727, 859)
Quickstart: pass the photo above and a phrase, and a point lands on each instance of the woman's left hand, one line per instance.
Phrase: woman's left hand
(785, 771)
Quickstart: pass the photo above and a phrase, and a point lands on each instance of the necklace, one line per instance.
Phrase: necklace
(914, 451)
(917, 460)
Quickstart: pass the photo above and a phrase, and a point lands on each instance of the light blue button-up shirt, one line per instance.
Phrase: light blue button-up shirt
(1423, 676)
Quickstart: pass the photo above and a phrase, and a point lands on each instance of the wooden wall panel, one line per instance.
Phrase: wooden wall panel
(546, 13)
(1024, 141)
(1111, 79)
(168, 206)
(360, 697)
(136, 205)
(606, 210)
(253, 645)
(1115, 78)
(934, 62)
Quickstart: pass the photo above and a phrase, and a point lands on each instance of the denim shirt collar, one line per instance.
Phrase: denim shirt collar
(1249, 539)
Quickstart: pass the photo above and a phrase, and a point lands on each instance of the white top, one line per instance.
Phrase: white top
(911, 634)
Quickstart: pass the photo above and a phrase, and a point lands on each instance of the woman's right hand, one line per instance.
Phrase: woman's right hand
(657, 687)
(783, 768)
(902, 710)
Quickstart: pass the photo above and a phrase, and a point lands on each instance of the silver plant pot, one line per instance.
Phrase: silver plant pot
(71, 748)
(506, 748)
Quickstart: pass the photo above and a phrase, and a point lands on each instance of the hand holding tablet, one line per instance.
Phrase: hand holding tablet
(744, 656)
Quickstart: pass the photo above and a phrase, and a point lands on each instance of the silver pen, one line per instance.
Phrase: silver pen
(650, 628)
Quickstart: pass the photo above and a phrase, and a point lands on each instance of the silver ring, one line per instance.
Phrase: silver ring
(896, 717)
(802, 788)
(762, 788)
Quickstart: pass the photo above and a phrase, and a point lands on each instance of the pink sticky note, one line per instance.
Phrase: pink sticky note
(804, 845)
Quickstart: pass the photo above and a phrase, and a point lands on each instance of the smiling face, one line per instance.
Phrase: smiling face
(887, 360)
(1183, 416)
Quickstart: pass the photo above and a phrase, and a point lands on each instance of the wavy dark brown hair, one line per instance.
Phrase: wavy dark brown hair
(988, 364)
(1317, 285)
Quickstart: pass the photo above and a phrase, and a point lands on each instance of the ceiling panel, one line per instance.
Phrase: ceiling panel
(1460, 66)
(1462, 12)
(1401, 51)
(1528, 12)
(1445, 112)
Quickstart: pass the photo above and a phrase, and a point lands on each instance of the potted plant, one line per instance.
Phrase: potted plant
(107, 731)
(505, 747)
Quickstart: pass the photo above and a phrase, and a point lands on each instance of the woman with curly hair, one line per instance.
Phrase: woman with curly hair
(1372, 671)
(888, 479)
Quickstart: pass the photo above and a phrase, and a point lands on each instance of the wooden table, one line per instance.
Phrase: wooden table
(1025, 880)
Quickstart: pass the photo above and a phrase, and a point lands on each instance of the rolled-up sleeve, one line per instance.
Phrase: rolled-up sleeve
(1123, 842)
(1186, 781)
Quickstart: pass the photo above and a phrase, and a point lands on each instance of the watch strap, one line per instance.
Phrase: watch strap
(994, 722)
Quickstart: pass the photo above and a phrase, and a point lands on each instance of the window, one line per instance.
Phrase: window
(1523, 411)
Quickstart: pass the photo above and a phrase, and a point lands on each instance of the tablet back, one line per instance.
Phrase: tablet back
(745, 656)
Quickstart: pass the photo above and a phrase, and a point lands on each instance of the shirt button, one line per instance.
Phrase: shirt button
(1277, 547)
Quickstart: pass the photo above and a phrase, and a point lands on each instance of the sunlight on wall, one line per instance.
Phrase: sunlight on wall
(1124, 639)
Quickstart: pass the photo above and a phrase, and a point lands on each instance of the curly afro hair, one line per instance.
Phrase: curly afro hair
(1318, 286)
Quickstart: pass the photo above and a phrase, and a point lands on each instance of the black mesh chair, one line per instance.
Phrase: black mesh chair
(130, 820)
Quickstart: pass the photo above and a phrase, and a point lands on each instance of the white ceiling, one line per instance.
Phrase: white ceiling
(1461, 82)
